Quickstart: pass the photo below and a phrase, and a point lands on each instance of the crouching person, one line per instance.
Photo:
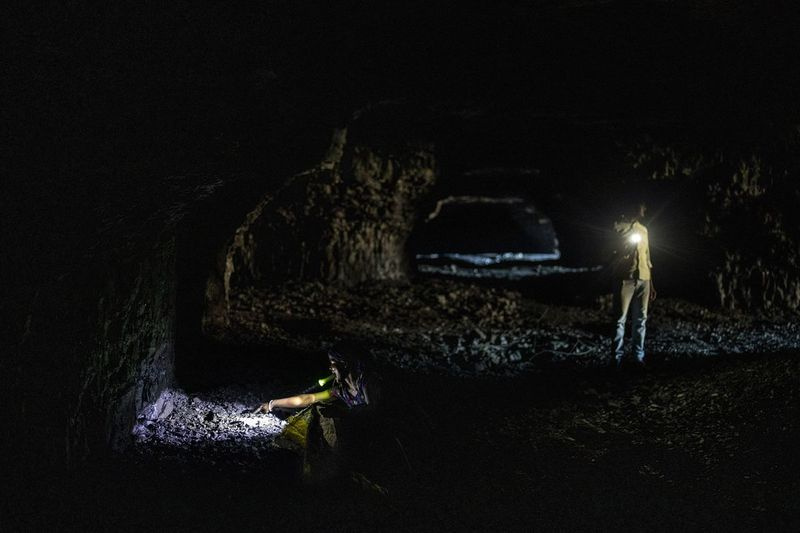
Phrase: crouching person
(336, 431)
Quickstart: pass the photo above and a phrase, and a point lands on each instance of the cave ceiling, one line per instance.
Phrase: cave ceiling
(108, 101)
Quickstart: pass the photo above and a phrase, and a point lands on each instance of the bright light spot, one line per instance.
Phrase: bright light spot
(270, 423)
(635, 238)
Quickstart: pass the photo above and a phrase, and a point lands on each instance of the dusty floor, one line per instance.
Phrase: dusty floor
(706, 440)
(706, 446)
(465, 329)
(219, 426)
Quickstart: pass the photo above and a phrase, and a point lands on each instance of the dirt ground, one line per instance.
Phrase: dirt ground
(706, 447)
(468, 329)
(707, 439)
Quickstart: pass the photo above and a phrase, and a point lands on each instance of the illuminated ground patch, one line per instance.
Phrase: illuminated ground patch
(512, 273)
(218, 425)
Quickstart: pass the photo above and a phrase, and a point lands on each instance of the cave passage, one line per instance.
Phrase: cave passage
(507, 288)
(199, 200)
(495, 312)
(487, 231)
(488, 237)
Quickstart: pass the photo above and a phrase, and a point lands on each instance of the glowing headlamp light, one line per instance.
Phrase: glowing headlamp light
(634, 238)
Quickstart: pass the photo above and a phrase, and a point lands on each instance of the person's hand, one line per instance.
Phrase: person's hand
(264, 408)
(653, 294)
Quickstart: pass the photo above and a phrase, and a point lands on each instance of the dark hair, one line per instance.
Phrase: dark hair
(349, 355)
(631, 207)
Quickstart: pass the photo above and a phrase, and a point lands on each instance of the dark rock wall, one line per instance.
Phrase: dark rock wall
(742, 213)
(102, 104)
(720, 205)
(97, 346)
(752, 215)
(132, 359)
(91, 324)
(346, 220)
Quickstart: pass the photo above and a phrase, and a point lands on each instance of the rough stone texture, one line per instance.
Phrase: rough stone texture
(747, 214)
(131, 358)
(100, 346)
(745, 210)
(346, 220)
(97, 341)
(219, 426)
(448, 327)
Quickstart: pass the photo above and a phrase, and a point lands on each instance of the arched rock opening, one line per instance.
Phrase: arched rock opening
(485, 231)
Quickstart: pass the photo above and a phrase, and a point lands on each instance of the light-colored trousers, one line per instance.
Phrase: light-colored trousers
(634, 295)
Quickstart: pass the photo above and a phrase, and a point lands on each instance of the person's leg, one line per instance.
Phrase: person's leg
(623, 303)
(321, 460)
(641, 298)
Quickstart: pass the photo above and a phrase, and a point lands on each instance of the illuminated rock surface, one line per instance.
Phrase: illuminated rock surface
(218, 426)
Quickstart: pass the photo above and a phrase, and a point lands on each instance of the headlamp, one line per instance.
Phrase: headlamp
(634, 238)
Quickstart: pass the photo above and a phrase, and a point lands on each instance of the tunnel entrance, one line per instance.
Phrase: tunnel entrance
(485, 231)
(484, 237)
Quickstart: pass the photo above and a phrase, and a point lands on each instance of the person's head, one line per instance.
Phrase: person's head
(346, 358)
(635, 210)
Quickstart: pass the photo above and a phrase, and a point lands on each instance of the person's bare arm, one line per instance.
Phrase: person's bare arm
(294, 402)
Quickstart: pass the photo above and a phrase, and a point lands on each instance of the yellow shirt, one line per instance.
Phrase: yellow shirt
(640, 265)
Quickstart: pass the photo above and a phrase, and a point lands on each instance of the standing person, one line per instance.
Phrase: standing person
(633, 280)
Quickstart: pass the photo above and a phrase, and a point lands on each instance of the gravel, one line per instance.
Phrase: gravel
(218, 425)
(458, 329)
(447, 329)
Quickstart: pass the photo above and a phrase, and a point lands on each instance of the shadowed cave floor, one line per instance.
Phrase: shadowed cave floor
(711, 446)
(467, 329)
(707, 440)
